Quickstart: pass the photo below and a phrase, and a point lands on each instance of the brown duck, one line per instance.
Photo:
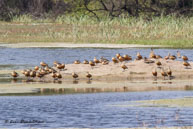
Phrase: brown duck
(154, 73)
(127, 57)
(115, 60)
(158, 63)
(95, 60)
(85, 62)
(178, 54)
(152, 55)
(118, 55)
(124, 67)
(121, 59)
(92, 64)
(169, 72)
(32, 74)
(58, 75)
(74, 75)
(43, 64)
(163, 73)
(36, 68)
(76, 62)
(186, 64)
(185, 58)
(139, 56)
(89, 76)
(14, 74)
(172, 57)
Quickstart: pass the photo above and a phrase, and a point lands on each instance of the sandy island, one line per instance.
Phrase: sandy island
(109, 78)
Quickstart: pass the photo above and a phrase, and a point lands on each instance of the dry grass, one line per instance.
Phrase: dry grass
(177, 32)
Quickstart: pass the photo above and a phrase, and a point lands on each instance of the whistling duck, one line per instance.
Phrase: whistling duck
(88, 75)
(32, 74)
(163, 73)
(59, 76)
(60, 66)
(55, 63)
(74, 75)
(115, 60)
(43, 64)
(127, 57)
(169, 72)
(178, 54)
(158, 57)
(154, 73)
(23, 72)
(172, 57)
(95, 60)
(121, 59)
(185, 58)
(36, 68)
(185, 63)
(102, 59)
(85, 62)
(158, 63)
(124, 67)
(117, 55)
(27, 73)
(14, 74)
(91, 64)
(105, 62)
(139, 56)
(39, 75)
(148, 61)
(54, 76)
(152, 55)
(167, 57)
(76, 62)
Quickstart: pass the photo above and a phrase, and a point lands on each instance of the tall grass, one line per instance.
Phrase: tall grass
(164, 30)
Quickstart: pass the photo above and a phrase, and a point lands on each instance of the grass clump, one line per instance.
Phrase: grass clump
(164, 30)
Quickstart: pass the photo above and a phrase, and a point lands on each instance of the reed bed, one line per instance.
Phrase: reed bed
(164, 30)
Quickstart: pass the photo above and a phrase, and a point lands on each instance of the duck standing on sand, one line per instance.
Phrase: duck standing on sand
(154, 73)
(139, 56)
(89, 76)
(152, 55)
(95, 60)
(14, 74)
(185, 58)
(76, 62)
(75, 76)
(92, 64)
(115, 60)
(163, 73)
(43, 64)
(186, 64)
(178, 54)
(169, 73)
(158, 63)
(118, 55)
(124, 67)
(85, 62)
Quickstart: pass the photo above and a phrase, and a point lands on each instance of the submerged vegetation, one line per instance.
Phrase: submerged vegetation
(163, 30)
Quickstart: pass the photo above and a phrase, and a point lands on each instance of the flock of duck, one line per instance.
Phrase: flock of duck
(45, 69)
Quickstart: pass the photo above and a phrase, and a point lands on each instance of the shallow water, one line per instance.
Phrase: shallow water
(18, 58)
(93, 110)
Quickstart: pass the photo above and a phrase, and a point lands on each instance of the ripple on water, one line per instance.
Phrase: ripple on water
(93, 110)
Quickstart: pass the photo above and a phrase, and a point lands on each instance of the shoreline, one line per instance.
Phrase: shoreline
(76, 45)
